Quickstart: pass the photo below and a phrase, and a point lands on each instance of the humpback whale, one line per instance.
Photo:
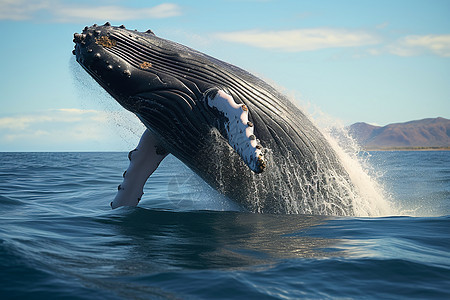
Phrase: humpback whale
(238, 133)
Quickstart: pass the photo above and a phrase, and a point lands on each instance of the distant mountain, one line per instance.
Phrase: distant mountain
(426, 133)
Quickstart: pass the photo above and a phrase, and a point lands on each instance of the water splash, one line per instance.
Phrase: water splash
(369, 197)
(286, 188)
(124, 123)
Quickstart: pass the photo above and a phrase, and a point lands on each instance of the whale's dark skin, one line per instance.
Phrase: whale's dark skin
(167, 85)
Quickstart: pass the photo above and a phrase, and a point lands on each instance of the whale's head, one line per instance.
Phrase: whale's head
(132, 65)
(157, 79)
(167, 85)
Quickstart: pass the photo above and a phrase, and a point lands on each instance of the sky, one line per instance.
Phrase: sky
(378, 62)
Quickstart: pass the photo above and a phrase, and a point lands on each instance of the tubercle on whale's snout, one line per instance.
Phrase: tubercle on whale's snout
(79, 38)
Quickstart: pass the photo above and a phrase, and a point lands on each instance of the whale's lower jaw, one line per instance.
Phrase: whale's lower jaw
(234, 130)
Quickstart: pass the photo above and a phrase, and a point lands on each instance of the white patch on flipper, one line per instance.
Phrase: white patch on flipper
(143, 162)
(239, 130)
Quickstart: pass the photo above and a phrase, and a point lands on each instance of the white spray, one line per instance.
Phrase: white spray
(369, 198)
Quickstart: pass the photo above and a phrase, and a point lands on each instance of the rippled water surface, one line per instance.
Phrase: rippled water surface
(60, 239)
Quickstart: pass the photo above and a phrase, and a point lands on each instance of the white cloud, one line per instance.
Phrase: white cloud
(115, 13)
(298, 40)
(69, 129)
(18, 10)
(418, 44)
(18, 123)
(60, 11)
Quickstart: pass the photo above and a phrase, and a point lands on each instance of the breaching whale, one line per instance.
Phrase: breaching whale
(238, 133)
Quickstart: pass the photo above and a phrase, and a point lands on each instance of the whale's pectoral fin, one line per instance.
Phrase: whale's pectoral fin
(238, 128)
(143, 162)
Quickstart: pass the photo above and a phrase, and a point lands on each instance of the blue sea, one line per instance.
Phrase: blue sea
(59, 238)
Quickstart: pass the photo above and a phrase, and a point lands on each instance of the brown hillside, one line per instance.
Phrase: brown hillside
(433, 132)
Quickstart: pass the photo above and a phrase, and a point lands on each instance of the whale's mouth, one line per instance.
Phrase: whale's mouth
(150, 77)
(135, 66)
(108, 49)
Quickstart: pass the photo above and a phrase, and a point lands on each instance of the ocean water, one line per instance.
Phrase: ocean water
(59, 239)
